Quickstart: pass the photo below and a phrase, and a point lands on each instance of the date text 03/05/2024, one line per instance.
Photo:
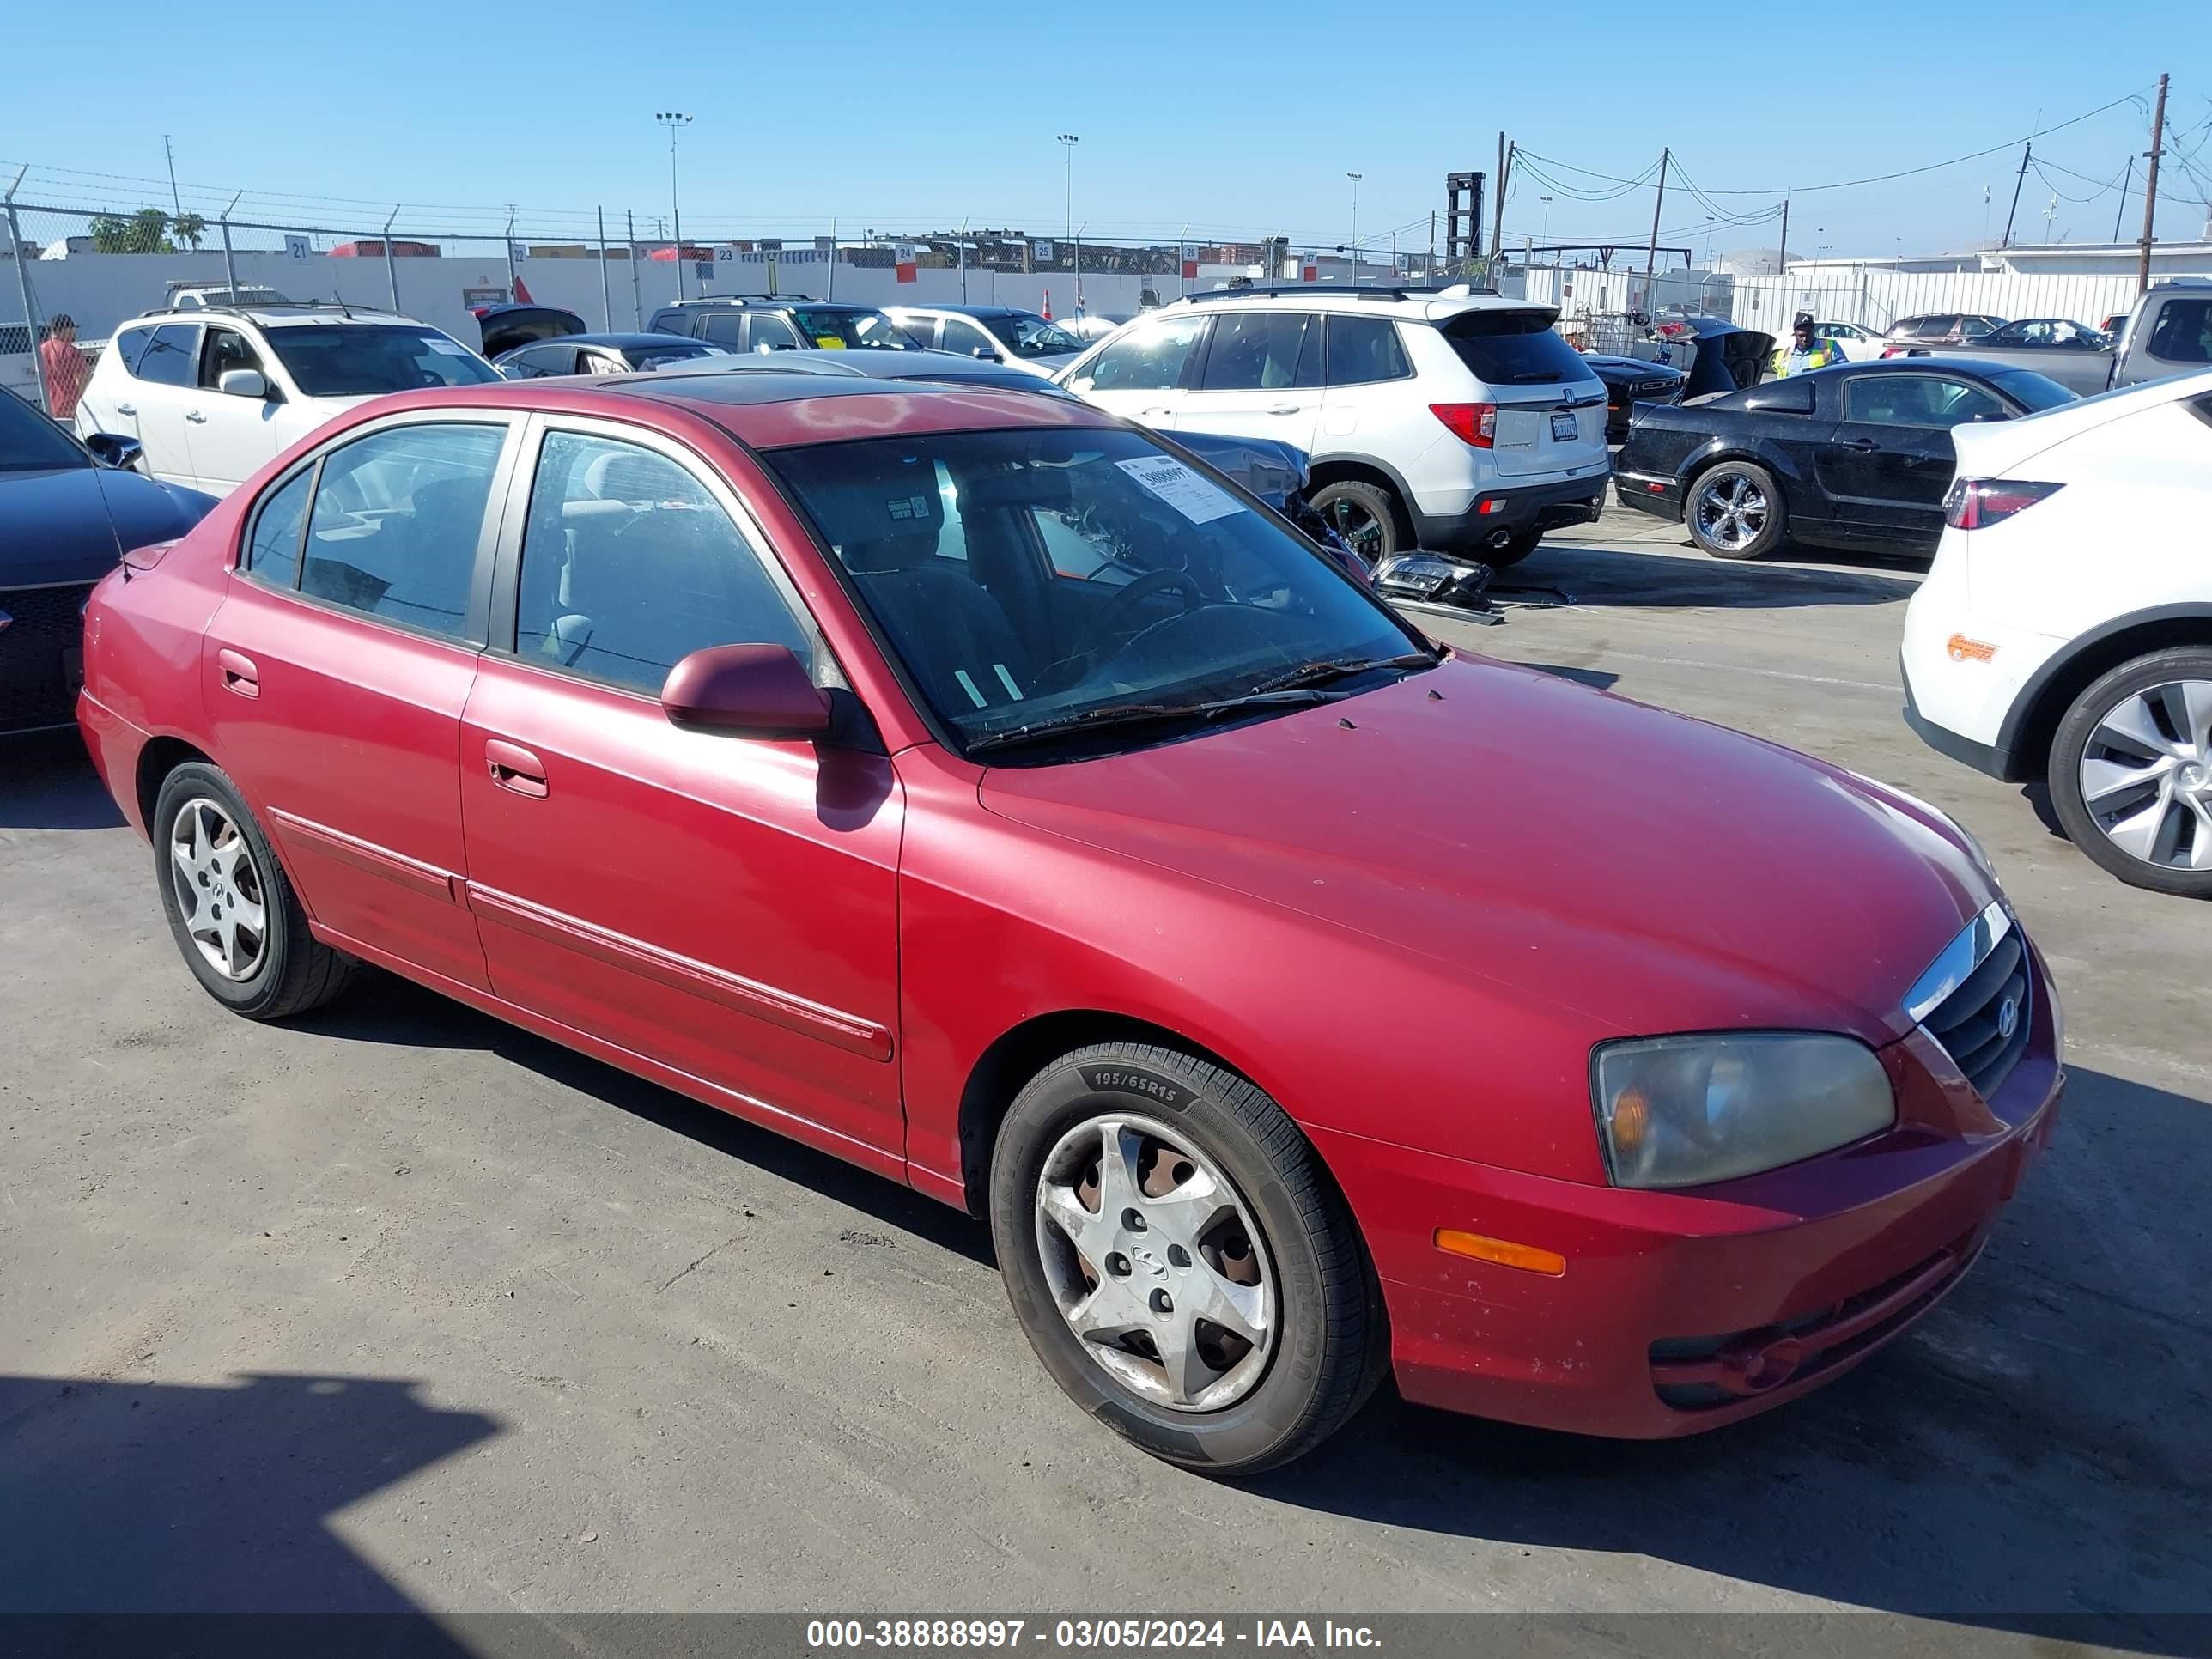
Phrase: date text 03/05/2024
(830, 1634)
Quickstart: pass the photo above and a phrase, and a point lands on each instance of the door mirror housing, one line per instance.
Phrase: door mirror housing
(242, 383)
(746, 691)
(112, 449)
(988, 354)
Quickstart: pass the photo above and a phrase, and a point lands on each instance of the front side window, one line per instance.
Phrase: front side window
(1258, 350)
(839, 328)
(1926, 400)
(1101, 588)
(630, 564)
(772, 332)
(2182, 333)
(396, 519)
(225, 349)
(272, 554)
(1365, 349)
(1032, 336)
(962, 336)
(172, 356)
(363, 360)
(1148, 359)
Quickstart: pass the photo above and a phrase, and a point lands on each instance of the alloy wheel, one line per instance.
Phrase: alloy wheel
(1731, 510)
(1156, 1264)
(1360, 529)
(219, 889)
(2145, 774)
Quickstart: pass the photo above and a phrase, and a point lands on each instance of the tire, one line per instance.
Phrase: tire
(1519, 548)
(1273, 1233)
(1732, 488)
(2151, 717)
(1366, 516)
(230, 867)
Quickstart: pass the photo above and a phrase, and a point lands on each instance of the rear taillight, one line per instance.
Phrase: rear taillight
(1472, 423)
(1978, 503)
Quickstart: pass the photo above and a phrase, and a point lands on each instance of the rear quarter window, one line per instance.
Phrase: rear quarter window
(1513, 348)
(1782, 397)
(130, 345)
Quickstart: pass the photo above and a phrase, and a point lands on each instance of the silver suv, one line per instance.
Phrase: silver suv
(1441, 418)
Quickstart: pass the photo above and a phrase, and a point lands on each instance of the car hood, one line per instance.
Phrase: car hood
(73, 524)
(1649, 871)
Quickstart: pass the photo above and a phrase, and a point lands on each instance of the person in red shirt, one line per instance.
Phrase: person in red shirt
(64, 368)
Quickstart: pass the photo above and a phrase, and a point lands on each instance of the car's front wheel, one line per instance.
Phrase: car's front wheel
(2131, 772)
(1180, 1262)
(1735, 511)
(1364, 517)
(237, 922)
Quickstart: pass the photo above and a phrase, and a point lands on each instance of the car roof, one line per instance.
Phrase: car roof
(1427, 304)
(965, 311)
(297, 316)
(624, 340)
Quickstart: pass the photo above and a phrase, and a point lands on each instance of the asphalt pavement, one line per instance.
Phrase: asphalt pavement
(397, 1307)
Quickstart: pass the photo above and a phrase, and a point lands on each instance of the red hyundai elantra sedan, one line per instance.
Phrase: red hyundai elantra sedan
(969, 785)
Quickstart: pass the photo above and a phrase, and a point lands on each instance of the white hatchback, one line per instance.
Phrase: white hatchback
(1444, 419)
(211, 393)
(2064, 633)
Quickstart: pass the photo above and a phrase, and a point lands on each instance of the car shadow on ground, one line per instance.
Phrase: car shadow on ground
(126, 1498)
(2030, 1456)
(381, 1007)
(1627, 574)
(46, 782)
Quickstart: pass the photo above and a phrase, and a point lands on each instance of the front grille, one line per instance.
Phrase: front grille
(1983, 1026)
(38, 654)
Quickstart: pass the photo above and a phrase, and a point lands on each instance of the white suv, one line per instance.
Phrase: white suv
(213, 392)
(1444, 419)
(2064, 632)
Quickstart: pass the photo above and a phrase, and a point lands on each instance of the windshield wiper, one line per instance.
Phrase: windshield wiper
(1320, 673)
(1088, 720)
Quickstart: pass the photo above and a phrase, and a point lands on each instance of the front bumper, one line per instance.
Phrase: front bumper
(1680, 1312)
(1499, 512)
(41, 655)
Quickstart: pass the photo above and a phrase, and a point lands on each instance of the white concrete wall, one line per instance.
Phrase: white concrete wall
(1875, 297)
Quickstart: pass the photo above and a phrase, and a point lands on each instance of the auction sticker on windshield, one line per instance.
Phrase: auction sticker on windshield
(446, 348)
(1180, 488)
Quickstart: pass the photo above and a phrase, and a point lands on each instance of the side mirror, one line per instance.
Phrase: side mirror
(988, 354)
(747, 691)
(110, 449)
(242, 383)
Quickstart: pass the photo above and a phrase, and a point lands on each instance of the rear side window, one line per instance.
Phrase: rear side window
(723, 327)
(2182, 333)
(172, 358)
(1513, 348)
(1364, 350)
(672, 322)
(396, 522)
(1258, 350)
(273, 553)
(129, 346)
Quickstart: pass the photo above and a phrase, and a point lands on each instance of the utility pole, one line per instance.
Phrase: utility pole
(2026, 151)
(1652, 251)
(1784, 262)
(170, 153)
(2127, 178)
(2150, 187)
(1505, 152)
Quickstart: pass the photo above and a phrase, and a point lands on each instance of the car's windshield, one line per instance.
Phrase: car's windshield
(1030, 336)
(29, 442)
(1049, 581)
(837, 328)
(356, 360)
(2036, 391)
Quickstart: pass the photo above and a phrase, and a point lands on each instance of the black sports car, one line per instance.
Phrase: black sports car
(65, 518)
(1857, 456)
(1629, 381)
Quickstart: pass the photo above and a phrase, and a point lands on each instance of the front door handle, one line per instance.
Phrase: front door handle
(1284, 409)
(1863, 446)
(126, 409)
(239, 673)
(515, 769)
(195, 417)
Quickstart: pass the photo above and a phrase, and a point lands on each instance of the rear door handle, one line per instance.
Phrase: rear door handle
(239, 673)
(195, 417)
(516, 768)
(1864, 446)
(126, 409)
(1284, 409)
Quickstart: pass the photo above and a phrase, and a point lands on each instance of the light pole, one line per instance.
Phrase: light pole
(1067, 142)
(675, 122)
(1546, 201)
(1355, 177)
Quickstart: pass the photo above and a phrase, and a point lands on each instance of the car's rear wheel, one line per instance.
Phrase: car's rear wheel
(1735, 511)
(1365, 516)
(239, 925)
(1180, 1260)
(2131, 772)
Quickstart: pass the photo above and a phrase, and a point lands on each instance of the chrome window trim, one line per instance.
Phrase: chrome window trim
(1958, 960)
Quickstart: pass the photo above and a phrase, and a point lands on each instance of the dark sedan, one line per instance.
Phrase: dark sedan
(1857, 455)
(65, 518)
(602, 354)
(1629, 381)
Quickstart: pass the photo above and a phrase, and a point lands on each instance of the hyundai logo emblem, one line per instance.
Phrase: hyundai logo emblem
(2007, 1017)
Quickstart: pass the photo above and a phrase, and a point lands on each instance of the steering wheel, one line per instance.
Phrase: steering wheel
(1117, 615)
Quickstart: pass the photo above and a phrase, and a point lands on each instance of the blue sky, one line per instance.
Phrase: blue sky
(1236, 119)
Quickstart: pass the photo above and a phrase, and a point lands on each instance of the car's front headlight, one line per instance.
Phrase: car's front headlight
(1681, 1111)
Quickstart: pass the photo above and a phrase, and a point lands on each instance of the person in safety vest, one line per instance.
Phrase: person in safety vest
(1804, 354)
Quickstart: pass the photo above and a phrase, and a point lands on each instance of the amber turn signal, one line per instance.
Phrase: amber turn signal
(1527, 1257)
